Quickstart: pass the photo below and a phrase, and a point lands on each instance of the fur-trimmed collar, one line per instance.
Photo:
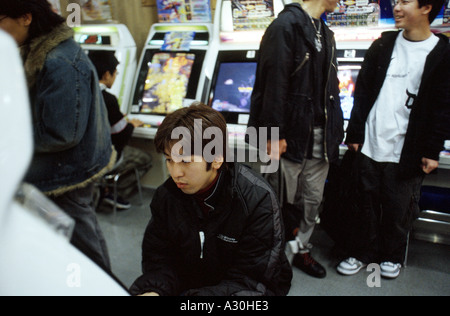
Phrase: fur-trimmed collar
(35, 53)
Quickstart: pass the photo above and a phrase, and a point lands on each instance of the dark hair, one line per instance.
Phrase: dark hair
(103, 60)
(436, 7)
(185, 118)
(44, 19)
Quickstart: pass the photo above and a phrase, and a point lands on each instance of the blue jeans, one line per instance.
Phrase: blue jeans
(87, 235)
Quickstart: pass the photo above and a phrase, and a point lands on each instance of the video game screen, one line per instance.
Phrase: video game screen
(166, 82)
(234, 87)
(347, 75)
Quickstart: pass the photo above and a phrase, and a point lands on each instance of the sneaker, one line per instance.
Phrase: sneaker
(350, 266)
(121, 204)
(307, 264)
(390, 270)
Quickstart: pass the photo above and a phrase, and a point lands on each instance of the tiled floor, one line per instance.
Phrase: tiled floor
(427, 273)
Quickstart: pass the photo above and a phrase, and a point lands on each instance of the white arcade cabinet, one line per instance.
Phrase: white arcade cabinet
(169, 75)
(36, 255)
(117, 38)
(238, 29)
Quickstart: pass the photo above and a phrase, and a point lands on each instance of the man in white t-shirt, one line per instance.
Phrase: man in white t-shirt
(388, 120)
(400, 121)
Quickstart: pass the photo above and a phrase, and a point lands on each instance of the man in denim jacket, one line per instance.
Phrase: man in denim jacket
(71, 130)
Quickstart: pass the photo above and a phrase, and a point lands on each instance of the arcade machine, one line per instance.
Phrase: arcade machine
(37, 256)
(230, 73)
(117, 38)
(442, 22)
(169, 74)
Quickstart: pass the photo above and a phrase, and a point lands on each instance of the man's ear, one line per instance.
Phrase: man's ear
(426, 9)
(218, 162)
(26, 19)
(106, 76)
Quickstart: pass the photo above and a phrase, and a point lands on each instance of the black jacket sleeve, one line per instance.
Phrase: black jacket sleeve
(157, 257)
(270, 93)
(364, 98)
(122, 136)
(439, 104)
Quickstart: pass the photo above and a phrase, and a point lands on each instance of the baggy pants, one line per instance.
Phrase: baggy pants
(304, 186)
(87, 235)
(391, 204)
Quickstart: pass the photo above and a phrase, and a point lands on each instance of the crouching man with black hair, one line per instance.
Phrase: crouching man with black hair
(216, 226)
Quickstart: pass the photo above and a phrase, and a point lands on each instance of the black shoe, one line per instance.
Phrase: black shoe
(307, 264)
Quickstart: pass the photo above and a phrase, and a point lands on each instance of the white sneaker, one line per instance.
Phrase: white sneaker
(350, 266)
(390, 270)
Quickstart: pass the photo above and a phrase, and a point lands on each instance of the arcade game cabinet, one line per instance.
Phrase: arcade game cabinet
(117, 38)
(169, 75)
(230, 71)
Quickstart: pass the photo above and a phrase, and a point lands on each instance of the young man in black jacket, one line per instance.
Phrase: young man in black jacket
(105, 62)
(297, 90)
(400, 121)
(216, 226)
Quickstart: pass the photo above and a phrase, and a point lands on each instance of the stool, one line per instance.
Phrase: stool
(433, 223)
(112, 178)
(133, 162)
(435, 198)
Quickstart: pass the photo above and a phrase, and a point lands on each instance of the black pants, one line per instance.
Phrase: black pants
(390, 204)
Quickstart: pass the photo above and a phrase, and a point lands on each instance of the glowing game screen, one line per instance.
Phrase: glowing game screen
(347, 80)
(166, 82)
(234, 87)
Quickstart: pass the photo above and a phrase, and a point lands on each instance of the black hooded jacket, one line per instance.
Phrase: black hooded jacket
(286, 86)
(238, 249)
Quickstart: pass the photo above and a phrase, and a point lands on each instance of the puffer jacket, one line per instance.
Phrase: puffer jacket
(71, 129)
(238, 249)
(286, 89)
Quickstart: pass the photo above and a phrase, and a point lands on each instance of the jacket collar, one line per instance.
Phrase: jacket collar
(389, 38)
(35, 53)
(213, 199)
(304, 23)
(226, 181)
(436, 56)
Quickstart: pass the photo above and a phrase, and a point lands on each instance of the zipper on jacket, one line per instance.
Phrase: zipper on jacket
(325, 105)
(202, 243)
(301, 64)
